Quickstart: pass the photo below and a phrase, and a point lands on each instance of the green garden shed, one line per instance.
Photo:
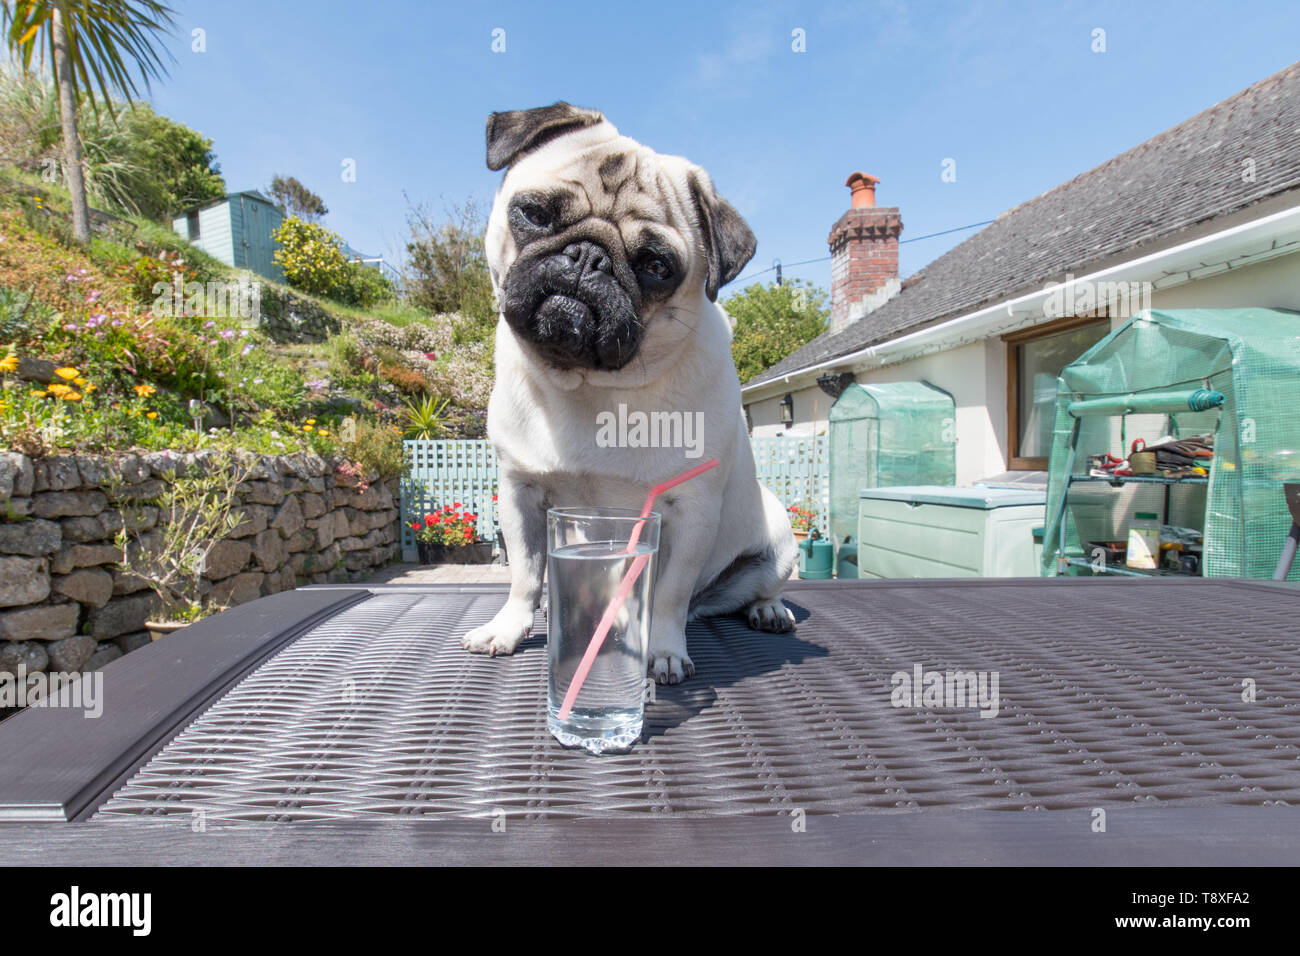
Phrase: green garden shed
(235, 229)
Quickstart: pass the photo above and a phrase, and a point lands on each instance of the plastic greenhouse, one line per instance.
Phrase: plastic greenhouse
(883, 435)
(1230, 373)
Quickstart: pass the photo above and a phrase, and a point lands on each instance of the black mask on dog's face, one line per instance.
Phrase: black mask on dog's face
(575, 292)
(601, 237)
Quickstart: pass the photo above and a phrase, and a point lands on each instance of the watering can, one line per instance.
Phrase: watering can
(816, 557)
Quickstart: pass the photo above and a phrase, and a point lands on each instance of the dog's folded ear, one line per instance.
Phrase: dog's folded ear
(513, 133)
(728, 238)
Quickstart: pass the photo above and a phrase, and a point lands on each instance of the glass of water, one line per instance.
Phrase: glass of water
(587, 559)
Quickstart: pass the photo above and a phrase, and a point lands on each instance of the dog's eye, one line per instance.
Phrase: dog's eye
(535, 215)
(656, 267)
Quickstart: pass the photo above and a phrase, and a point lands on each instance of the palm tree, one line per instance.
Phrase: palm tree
(85, 41)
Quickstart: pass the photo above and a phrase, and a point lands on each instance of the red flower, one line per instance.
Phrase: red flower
(494, 497)
(430, 521)
(456, 505)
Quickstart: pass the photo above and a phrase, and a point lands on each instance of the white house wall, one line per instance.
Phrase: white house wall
(970, 374)
(1272, 284)
(976, 374)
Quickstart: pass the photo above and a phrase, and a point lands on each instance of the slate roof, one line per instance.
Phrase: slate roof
(1187, 175)
(208, 203)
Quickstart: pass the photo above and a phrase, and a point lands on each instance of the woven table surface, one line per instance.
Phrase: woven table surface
(1129, 694)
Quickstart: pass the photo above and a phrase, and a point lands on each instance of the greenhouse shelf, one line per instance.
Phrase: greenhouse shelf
(1125, 570)
(1140, 479)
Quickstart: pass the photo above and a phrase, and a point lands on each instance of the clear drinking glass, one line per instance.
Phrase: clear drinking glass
(587, 559)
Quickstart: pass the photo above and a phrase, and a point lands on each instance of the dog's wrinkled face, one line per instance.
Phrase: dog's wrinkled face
(596, 243)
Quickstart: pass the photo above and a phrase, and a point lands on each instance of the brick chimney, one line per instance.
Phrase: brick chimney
(864, 254)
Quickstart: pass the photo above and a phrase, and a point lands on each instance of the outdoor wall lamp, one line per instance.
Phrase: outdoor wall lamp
(787, 410)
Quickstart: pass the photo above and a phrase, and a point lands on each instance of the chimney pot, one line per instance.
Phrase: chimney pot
(864, 190)
(864, 254)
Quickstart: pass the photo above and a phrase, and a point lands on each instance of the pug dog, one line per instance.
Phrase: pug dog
(606, 259)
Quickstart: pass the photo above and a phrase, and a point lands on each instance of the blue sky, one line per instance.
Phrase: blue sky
(1013, 92)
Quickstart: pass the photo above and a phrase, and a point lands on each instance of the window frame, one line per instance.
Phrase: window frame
(1013, 340)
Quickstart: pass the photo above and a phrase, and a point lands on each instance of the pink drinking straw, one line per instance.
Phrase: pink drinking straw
(624, 586)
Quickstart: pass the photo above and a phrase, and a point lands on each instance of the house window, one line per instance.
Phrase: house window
(1035, 359)
(192, 225)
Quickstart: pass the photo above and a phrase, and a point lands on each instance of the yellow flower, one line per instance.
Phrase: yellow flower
(39, 394)
(59, 389)
(144, 391)
(321, 431)
(72, 397)
(151, 415)
(89, 387)
(306, 428)
(67, 374)
(311, 421)
(80, 380)
(9, 363)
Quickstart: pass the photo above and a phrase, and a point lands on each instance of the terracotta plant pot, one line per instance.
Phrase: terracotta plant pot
(801, 536)
(159, 629)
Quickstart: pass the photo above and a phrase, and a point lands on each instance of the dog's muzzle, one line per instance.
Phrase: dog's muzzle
(572, 307)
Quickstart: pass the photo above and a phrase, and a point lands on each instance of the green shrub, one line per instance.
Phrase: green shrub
(144, 275)
(367, 286)
(426, 420)
(311, 257)
(313, 261)
(177, 168)
(377, 447)
(346, 355)
(772, 321)
(135, 161)
(447, 268)
(110, 256)
(20, 313)
(405, 380)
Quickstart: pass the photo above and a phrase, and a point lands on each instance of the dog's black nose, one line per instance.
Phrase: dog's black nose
(588, 257)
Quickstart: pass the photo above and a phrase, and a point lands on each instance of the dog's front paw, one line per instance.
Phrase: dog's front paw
(769, 614)
(669, 663)
(502, 634)
(670, 668)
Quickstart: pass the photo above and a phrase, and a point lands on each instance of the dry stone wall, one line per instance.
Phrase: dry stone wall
(65, 603)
